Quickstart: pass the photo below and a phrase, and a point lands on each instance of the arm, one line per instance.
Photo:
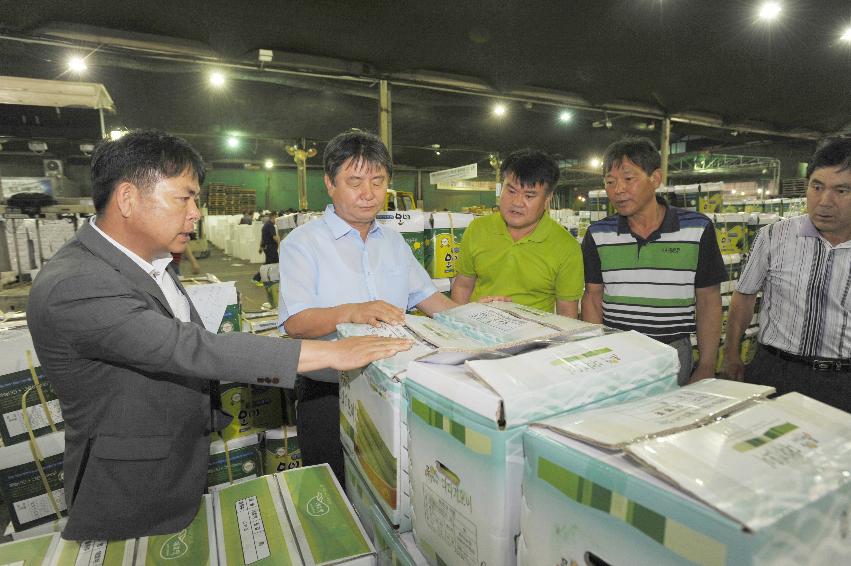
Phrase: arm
(741, 312)
(592, 303)
(196, 268)
(708, 318)
(567, 308)
(316, 322)
(436, 303)
(462, 288)
(348, 353)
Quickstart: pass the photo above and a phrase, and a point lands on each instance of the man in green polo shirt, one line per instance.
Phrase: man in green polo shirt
(521, 253)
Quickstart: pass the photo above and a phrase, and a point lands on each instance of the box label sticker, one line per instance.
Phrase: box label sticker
(457, 531)
(92, 553)
(252, 533)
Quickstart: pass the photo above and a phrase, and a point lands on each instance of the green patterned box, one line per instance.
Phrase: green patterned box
(15, 379)
(584, 505)
(21, 484)
(281, 449)
(33, 551)
(255, 408)
(252, 526)
(94, 553)
(193, 546)
(392, 547)
(243, 458)
(325, 525)
(466, 424)
(411, 225)
(443, 242)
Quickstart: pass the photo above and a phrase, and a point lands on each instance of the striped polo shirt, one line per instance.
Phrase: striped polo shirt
(806, 283)
(648, 284)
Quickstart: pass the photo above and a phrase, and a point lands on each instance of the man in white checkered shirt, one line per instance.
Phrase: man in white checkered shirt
(803, 266)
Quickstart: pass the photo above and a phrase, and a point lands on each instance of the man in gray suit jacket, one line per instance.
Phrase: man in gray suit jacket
(126, 353)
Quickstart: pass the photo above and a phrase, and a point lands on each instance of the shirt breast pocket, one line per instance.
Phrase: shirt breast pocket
(393, 286)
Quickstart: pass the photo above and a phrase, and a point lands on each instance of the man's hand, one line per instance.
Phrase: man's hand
(701, 372)
(356, 352)
(493, 298)
(375, 312)
(733, 368)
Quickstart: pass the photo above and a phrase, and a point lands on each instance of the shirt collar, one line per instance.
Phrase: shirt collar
(539, 234)
(807, 229)
(154, 269)
(670, 223)
(340, 227)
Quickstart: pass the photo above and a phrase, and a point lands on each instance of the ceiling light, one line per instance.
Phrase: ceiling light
(233, 142)
(37, 146)
(595, 163)
(733, 192)
(268, 164)
(437, 153)
(565, 116)
(116, 134)
(217, 79)
(846, 35)
(499, 109)
(77, 64)
(769, 11)
(87, 148)
(759, 191)
(264, 55)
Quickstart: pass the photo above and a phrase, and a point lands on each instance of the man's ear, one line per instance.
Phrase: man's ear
(329, 185)
(125, 198)
(656, 178)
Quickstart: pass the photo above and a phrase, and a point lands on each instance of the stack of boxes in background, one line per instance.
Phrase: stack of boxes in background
(228, 199)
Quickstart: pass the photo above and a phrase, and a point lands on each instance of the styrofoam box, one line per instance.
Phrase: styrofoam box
(465, 433)
(582, 504)
(193, 546)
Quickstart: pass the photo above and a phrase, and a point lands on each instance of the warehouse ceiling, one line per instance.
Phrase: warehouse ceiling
(729, 81)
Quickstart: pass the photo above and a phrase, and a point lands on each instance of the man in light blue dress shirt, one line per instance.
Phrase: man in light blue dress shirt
(345, 267)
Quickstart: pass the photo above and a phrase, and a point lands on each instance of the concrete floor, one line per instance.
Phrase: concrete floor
(222, 266)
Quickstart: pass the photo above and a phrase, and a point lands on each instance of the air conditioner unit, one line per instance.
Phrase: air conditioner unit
(52, 167)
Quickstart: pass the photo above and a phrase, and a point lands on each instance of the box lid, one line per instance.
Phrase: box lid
(447, 220)
(457, 384)
(402, 220)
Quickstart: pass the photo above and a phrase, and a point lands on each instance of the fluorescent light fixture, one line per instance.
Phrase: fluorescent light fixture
(268, 164)
(116, 134)
(264, 55)
(37, 146)
(769, 11)
(499, 109)
(232, 142)
(77, 64)
(217, 79)
(87, 148)
(565, 116)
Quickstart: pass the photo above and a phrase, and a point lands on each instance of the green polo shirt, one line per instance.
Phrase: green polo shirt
(533, 271)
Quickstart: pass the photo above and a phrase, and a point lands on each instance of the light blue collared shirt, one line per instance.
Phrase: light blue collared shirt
(326, 263)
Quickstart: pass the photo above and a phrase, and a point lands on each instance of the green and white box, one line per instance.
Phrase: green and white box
(94, 553)
(35, 551)
(359, 495)
(21, 484)
(281, 449)
(252, 526)
(15, 379)
(193, 546)
(325, 525)
(763, 486)
(733, 267)
(255, 408)
(731, 231)
(466, 424)
(217, 304)
(243, 458)
(443, 242)
(392, 547)
(411, 225)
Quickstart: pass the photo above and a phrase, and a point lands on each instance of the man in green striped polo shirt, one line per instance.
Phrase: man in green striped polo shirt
(651, 267)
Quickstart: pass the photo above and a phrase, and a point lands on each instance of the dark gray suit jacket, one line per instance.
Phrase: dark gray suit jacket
(133, 384)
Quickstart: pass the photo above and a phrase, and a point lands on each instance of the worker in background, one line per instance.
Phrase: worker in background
(521, 254)
(247, 217)
(128, 356)
(345, 267)
(269, 238)
(651, 267)
(803, 267)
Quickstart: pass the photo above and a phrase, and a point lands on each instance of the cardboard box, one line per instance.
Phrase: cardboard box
(392, 547)
(94, 552)
(325, 525)
(15, 379)
(35, 550)
(778, 497)
(411, 225)
(54, 526)
(243, 459)
(359, 495)
(443, 242)
(21, 485)
(255, 408)
(193, 546)
(281, 450)
(252, 526)
(217, 304)
(466, 428)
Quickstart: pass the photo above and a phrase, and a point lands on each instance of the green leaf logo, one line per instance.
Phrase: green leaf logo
(316, 506)
(175, 546)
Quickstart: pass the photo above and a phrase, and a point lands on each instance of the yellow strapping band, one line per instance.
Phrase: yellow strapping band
(40, 392)
(36, 452)
(227, 457)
